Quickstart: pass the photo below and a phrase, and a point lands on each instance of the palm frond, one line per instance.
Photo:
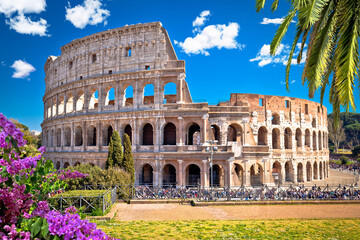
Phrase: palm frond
(259, 5)
(311, 12)
(288, 65)
(274, 5)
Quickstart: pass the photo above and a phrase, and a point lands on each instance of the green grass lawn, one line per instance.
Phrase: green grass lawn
(234, 229)
(85, 193)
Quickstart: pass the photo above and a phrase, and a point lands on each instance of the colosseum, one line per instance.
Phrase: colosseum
(97, 86)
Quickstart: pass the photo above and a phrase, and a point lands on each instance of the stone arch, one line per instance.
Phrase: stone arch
(66, 165)
(110, 97)
(256, 175)
(148, 134)
(325, 140)
(170, 134)
(307, 138)
(275, 138)
(58, 137)
(238, 175)
(69, 103)
(107, 133)
(234, 133)
(61, 105)
(57, 166)
(314, 141)
(218, 176)
(148, 94)
(320, 140)
(80, 101)
(91, 135)
(194, 137)
(289, 171)
(94, 99)
(262, 136)
(275, 119)
(300, 172)
(128, 131)
(313, 123)
(67, 137)
(192, 175)
(288, 138)
(78, 136)
(308, 171)
(146, 176)
(128, 96)
(216, 132)
(298, 137)
(169, 174)
(77, 164)
(315, 171)
(276, 173)
(170, 94)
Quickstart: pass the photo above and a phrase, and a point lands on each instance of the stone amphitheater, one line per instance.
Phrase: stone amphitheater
(97, 86)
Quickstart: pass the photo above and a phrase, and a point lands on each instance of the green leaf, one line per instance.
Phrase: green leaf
(45, 229)
(274, 6)
(260, 4)
(36, 227)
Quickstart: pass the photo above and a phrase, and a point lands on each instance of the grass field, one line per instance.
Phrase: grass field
(235, 229)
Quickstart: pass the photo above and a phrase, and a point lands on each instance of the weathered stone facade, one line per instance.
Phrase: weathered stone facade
(261, 139)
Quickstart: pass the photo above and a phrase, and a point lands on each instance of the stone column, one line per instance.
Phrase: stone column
(266, 174)
(101, 99)
(84, 136)
(179, 88)
(247, 175)
(118, 96)
(230, 162)
(203, 129)
(57, 105)
(180, 175)
(180, 132)
(283, 173)
(204, 174)
(74, 101)
(72, 138)
(62, 138)
(295, 172)
(98, 137)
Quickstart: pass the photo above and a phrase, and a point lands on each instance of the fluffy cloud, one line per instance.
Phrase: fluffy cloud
(22, 69)
(8, 7)
(24, 25)
(213, 36)
(281, 55)
(199, 21)
(90, 12)
(275, 21)
(291, 82)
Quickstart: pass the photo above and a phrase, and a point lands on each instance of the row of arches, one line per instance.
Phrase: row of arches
(275, 120)
(91, 99)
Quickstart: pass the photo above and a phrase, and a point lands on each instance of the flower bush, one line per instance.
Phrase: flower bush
(25, 184)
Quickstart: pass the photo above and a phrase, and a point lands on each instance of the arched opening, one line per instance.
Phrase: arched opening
(57, 165)
(94, 99)
(170, 93)
(289, 172)
(298, 138)
(77, 164)
(58, 137)
(61, 105)
(300, 173)
(169, 175)
(146, 174)
(262, 136)
(66, 165)
(238, 175)
(148, 134)
(128, 131)
(325, 140)
(288, 138)
(275, 138)
(128, 96)
(110, 97)
(216, 132)
(315, 171)
(69, 103)
(78, 136)
(108, 131)
(67, 137)
(91, 136)
(234, 133)
(320, 171)
(308, 171)
(275, 119)
(170, 134)
(192, 175)
(313, 124)
(256, 175)
(314, 141)
(80, 101)
(194, 137)
(307, 138)
(276, 173)
(320, 141)
(217, 176)
(148, 97)
(52, 135)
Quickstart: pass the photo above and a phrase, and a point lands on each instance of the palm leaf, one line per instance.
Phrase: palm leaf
(274, 6)
(259, 5)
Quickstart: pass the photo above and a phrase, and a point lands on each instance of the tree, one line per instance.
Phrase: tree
(353, 131)
(355, 151)
(336, 133)
(128, 161)
(115, 153)
(331, 28)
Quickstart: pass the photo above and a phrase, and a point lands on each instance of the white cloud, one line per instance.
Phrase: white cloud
(281, 55)
(3, 64)
(90, 12)
(8, 7)
(199, 21)
(213, 36)
(293, 81)
(22, 69)
(283, 82)
(24, 25)
(275, 21)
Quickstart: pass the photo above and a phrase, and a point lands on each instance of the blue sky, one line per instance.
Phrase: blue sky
(31, 30)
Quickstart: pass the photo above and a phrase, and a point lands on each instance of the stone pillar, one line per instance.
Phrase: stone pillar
(283, 173)
(311, 141)
(180, 132)
(72, 138)
(295, 172)
(228, 173)
(203, 129)
(204, 174)
(57, 105)
(156, 178)
(101, 99)
(180, 176)
(266, 173)
(62, 138)
(179, 88)
(247, 175)
(74, 101)
(84, 136)
(98, 137)
(118, 96)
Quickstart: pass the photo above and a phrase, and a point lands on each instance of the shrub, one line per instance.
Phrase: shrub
(344, 159)
(115, 154)
(358, 160)
(356, 150)
(128, 161)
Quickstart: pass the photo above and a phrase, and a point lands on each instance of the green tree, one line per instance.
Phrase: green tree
(356, 150)
(331, 28)
(115, 153)
(353, 131)
(336, 134)
(128, 161)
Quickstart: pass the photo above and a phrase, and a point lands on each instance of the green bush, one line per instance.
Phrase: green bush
(358, 160)
(344, 159)
(356, 150)
(97, 176)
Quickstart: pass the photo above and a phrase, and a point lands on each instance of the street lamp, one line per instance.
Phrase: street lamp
(211, 150)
